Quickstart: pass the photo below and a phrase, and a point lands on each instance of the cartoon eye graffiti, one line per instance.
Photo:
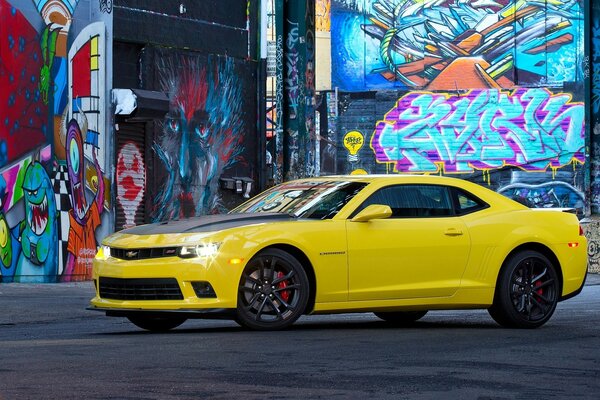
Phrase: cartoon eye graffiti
(174, 125)
(3, 233)
(74, 155)
(35, 192)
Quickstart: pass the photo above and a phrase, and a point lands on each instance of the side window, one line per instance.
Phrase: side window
(466, 203)
(410, 201)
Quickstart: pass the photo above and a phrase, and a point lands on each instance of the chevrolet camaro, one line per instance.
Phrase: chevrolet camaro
(394, 245)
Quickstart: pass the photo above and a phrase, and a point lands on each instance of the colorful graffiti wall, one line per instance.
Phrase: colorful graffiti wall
(595, 107)
(207, 137)
(487, 91)
(52, 138)
(452, 44)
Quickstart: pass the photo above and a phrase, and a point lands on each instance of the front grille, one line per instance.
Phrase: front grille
(140, 289)
(140, 254)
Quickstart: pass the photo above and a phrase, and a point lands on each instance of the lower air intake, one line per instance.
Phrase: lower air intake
(140, 289)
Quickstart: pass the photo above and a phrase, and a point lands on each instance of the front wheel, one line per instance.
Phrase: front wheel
(273, 291)
(401, 317)
(527, 291)
(156, 324)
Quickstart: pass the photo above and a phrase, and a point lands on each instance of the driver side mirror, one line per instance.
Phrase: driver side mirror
(374, 211)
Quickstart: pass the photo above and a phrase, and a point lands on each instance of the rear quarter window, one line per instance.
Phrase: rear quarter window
(466, 203)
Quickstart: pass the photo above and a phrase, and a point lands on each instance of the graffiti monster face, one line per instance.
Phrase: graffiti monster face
(37, 190)
(75, 166)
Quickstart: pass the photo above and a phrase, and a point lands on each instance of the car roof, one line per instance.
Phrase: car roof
(481, 191)
(384, 177)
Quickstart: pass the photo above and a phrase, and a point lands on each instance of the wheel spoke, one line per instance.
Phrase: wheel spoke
(283, 302)
(544, 298)
(295, 286)
(283, 278)
(521, 307)
(536, 278)
(249, 278)
(517, 282)
(252, 301)
(274, 306)
(544, 284)
(261, 309)
(539, 305)
(247, 289)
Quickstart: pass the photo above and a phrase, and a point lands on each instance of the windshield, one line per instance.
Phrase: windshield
(308, 199)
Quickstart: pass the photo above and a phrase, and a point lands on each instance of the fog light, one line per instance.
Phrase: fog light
(203, 289)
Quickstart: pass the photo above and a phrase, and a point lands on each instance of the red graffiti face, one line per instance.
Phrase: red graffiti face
(130, 180)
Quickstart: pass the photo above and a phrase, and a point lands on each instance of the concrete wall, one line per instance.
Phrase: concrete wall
(55, 152)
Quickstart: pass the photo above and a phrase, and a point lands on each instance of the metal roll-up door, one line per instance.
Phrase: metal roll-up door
(130, 175)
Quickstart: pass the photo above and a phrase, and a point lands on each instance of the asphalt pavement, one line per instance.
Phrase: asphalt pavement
(76, 295)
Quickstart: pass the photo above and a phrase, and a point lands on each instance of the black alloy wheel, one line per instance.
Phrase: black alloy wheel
(273, 291)
(156, 324)
(527, 291)
(401, 317)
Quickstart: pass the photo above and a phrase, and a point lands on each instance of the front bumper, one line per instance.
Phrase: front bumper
(184, 273)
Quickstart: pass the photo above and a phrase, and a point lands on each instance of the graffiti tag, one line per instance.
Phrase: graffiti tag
(292, 78)
(487, 129)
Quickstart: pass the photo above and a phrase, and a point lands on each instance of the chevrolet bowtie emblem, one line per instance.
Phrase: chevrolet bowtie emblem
(131, 254)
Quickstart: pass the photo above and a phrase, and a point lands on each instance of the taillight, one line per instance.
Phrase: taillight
(580, 231)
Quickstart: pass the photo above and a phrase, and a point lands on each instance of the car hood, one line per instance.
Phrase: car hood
(207, 223)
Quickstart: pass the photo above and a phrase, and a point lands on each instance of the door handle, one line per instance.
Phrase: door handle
(453, 232)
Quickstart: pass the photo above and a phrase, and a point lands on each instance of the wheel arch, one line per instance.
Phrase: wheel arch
(308, 268)
(540, 248)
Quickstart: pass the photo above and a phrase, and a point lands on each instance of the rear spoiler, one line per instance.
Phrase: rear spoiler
(565, 209)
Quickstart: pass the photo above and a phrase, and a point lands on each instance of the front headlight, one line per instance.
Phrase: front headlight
(103, 253)
(206, 250)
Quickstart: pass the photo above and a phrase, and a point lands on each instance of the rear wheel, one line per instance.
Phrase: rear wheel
(527, 291)
(156, 324)
(273, 291)
(401, 317)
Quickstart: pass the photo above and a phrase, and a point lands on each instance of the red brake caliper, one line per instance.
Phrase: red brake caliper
(285, 294)
(539, 291)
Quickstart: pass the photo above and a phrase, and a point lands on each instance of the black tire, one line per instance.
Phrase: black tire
(401, 317)
(527, 291)
(156, 324)
(273, 291)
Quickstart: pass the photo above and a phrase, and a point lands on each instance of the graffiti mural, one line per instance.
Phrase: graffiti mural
(84, 218)
(131, 181)
(323, 15)
(202, 135)
(34, 70)
(38, 261)
(532, 129)
(595, 110)
(87, 91)
(455, 44)
(23, 111)
(28, 221)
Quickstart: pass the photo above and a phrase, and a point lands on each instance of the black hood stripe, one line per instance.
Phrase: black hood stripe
(207, 223)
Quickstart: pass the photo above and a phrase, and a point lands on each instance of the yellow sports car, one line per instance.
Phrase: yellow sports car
(394, 245)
